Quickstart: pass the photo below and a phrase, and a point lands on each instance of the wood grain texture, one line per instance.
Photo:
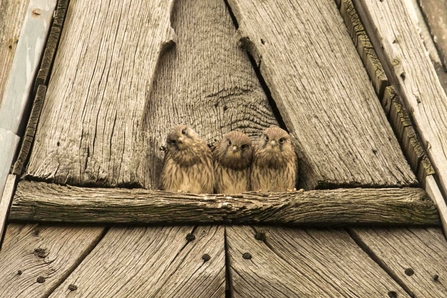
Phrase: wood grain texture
(114, 95)
(97, 92)
(48, 202)
(5, 202)
(25, 64)
(303, 263)
(151, 262)
(415, 256)
(12, 16)
(323, 93)
(36, 258)
(409, 68)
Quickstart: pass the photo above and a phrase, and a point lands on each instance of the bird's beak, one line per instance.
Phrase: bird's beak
(273, 143)
(180, 140)
(234, 148)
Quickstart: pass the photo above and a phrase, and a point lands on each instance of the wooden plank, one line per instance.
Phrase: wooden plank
(12, 15)
(409, 68)
(113, 97)
(303, 263)
(49, 202)
(8, 147)
(416, 257)
(36, 258)
(323, 93)
(26, 60)
(152, 262)
(5, 202)
(433, 191)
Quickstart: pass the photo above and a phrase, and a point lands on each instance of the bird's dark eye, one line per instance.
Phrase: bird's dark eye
(282, 140)
(229, 142)
(171, 142)
(244, 146)
(266, 137)
(184, 131)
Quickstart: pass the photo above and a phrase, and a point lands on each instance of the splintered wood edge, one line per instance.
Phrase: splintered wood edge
(5, 201)
(44, 202)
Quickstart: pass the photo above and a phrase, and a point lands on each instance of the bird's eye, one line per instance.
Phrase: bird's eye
(266, 137)
(244, 146)
(229, 142)
(282, 140)
(172, 142)
(184, 131)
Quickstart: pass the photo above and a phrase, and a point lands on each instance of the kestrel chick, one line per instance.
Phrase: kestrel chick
(275, 164)
(188, 162)
(232, 160)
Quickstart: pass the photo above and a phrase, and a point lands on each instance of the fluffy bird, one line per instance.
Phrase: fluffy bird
(188, 162)
(232, 160)
(275, 164)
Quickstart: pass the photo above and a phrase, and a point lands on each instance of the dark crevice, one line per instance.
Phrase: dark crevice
(256, 67)
(228, 284)
(376, 259)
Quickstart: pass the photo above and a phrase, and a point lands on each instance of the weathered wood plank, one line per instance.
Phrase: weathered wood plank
(12, 15)
(97, 92)
(151, 262)
(49, 202)
(25, 64)
(414, 256)
(8, 147)
(5, 202)
(303, 263)
(35, 259)
(432, 188)
(105, 115)
(323, 93)
(409, 68)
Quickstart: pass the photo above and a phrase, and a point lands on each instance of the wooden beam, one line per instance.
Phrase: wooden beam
(5, 202)
(39, 201)
(409, 68)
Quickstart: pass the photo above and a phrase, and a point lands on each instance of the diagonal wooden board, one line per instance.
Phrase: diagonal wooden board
(303, 263)
(152, 262)
(323, 93)
(36, 258)
(408, 66)
(115, 92)
(416, 256)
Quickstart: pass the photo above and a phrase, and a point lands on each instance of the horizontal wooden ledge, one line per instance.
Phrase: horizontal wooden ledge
(40, 201)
